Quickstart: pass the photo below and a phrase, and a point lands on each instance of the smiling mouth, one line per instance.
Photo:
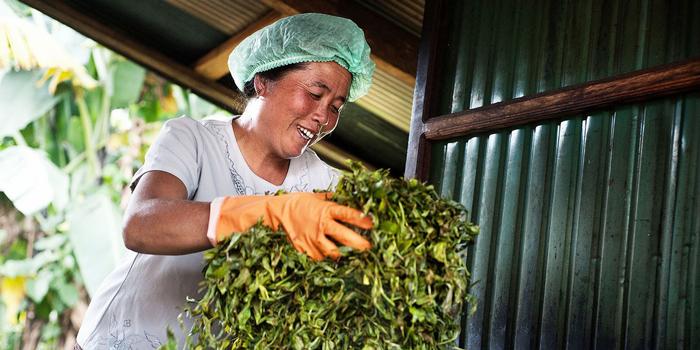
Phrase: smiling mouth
(305, 133)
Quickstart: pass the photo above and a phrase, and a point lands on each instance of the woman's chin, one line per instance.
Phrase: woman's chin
(299, 153)
(295, 152)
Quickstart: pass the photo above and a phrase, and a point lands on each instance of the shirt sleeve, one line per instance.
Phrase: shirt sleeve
(174, 151)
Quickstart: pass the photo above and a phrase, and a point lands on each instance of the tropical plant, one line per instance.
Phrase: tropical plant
(75, 122)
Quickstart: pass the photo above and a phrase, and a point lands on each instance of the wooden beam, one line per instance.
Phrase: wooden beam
(142, 54)
(394, 49)
(633, 87)
(214, 64)
(418, 152)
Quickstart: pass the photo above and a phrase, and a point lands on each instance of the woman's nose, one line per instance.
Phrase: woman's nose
(322, 115)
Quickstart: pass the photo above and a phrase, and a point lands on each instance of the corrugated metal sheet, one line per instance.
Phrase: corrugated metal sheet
(590, 229)
(390, 99)
(228, 16)
(506, 49)
(590, 226)
(154, 24)
(406, 13)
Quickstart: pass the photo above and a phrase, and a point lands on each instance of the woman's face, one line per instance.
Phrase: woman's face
(296, 108)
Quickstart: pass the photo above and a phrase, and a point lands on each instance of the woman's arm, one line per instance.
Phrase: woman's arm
(161, 220)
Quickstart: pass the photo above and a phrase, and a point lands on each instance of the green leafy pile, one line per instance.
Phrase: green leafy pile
(405, 293)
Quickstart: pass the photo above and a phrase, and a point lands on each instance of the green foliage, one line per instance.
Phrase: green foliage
(35, 181)
(51, 283)
(96, 210)
(405, 293)
(127, 82)
(22, 102)
(52, 272)
(64, 162)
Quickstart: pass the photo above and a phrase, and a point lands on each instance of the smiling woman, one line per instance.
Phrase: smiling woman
(205, 180)
(288, 114)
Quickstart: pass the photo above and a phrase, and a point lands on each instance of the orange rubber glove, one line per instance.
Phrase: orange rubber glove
(308, 218)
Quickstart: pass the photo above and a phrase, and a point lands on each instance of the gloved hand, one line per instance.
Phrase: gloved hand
(308, 218)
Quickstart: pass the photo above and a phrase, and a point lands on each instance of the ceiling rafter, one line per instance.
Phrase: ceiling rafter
(214, 64)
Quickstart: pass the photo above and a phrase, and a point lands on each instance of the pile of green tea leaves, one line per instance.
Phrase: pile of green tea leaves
(405, 293)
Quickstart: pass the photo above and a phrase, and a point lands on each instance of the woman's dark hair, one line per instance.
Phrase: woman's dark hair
(273, 74)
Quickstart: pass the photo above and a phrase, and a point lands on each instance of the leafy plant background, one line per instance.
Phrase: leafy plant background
(75, 122)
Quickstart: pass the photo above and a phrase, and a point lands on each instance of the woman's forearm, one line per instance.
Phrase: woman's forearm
(166, 226)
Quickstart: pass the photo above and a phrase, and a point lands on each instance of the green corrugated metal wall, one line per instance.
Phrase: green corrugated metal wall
(590, 226)
(504, 49)
(589, 229)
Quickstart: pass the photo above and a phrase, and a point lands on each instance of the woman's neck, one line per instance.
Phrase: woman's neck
(258, 155)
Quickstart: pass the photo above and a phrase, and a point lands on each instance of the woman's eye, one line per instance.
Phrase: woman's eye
(335, 109)
(315, 96)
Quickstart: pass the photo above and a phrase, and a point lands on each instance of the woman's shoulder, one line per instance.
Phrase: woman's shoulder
(181, 122)
(214, 128)
(219, 120)
(190, 123)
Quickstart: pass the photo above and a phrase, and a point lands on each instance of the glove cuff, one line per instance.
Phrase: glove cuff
(214, 211)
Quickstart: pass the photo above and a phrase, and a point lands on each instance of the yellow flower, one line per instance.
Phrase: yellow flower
(12, 293)
(26, 46)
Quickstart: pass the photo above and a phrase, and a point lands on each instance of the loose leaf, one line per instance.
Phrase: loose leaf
(405, 293)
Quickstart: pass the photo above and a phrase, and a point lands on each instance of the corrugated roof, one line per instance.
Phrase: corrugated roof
(228, 16)
(390, 99)
(406, 13)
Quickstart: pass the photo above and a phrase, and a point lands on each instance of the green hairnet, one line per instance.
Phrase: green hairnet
(307, 37)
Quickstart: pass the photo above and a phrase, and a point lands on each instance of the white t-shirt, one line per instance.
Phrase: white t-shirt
(145, 293)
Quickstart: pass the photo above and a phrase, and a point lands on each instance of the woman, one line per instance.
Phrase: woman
(204, 180)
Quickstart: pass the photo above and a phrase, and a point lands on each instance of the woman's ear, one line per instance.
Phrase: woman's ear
(260, 85)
